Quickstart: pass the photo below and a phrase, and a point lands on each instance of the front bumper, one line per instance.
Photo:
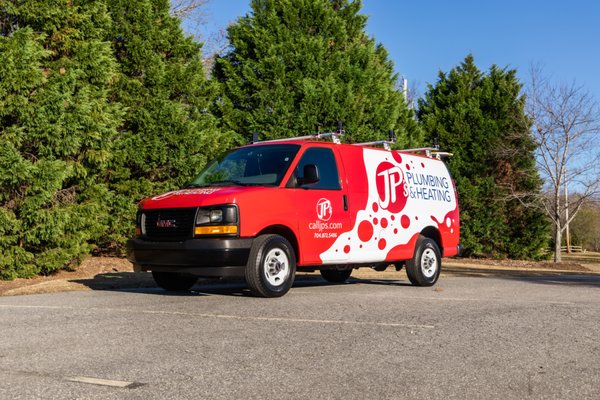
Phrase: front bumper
(219, 257)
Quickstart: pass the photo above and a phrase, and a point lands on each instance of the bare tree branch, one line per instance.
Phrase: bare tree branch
(566, 127)
(185, 8)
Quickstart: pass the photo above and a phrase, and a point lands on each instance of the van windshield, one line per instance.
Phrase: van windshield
(249, 166)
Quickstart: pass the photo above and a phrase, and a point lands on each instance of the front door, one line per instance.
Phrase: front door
(321, 207)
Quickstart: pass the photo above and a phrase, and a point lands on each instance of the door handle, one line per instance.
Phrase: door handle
(345, 203)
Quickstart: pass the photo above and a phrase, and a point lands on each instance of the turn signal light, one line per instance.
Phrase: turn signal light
(216, 230)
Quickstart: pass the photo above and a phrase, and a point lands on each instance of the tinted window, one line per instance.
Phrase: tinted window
(324, 159)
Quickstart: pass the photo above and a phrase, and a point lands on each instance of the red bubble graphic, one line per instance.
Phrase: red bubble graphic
(381, 244)
(365, 231)
(395, 230)
(346, 249)
(397, 157)
(392, 218)
(391, 187)
(375, 207)
(384, 223)
(422, 165)
(375, 221)
(405, 221)
(407, 167)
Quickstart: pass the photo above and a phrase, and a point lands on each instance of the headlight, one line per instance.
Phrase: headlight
(217, 220)
(140, 224)
(207, 216)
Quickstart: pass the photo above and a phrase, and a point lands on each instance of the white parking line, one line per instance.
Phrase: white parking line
(101, 382)
(232, 317)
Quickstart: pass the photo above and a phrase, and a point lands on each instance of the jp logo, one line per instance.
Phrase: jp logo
(391, 187)
(324, 210)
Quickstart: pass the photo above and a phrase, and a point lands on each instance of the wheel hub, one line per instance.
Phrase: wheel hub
(429, 263)
(276, 267)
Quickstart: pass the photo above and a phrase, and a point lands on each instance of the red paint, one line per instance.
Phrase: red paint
(405, 221)
(381, 244)
(384, 223)
(365, 231)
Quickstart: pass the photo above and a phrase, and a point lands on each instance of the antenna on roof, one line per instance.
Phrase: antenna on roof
(254, 137)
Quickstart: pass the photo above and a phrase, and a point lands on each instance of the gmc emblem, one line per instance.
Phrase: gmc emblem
(166, 223)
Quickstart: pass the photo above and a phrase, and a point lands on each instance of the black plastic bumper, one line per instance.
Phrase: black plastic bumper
(202, 257)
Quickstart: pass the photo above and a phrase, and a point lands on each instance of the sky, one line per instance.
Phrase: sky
(424, 37)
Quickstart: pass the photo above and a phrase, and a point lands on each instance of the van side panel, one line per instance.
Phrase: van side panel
(398, 195)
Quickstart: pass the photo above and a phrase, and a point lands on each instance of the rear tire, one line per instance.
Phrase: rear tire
(425, 266)
(271, 266)
(336, 276)
(173, 281)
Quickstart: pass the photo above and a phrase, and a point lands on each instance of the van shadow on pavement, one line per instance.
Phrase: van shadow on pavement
(141, 282)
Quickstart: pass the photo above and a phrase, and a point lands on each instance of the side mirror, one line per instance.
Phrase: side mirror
(310, 176)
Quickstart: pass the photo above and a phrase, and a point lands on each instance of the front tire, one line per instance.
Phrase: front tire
(425, 266)
(271, 266)
(173, 281)
(336, 276)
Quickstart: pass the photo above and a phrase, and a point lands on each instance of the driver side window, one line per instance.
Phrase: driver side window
(324, 159)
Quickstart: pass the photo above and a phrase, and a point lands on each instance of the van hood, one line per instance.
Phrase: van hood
(198, 197)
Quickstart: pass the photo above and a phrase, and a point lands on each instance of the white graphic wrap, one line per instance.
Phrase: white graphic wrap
(405, 194)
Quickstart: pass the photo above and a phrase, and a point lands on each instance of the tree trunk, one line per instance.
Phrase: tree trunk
(557, 243)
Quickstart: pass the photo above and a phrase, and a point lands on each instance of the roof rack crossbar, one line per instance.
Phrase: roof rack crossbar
(429, 152)
(335, 137)
(426, 150)
(386, 144)
(441, 154)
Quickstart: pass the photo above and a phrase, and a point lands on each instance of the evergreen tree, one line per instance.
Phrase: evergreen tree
(168, 132)
(481, 119)
(296, 66)
(56, 126)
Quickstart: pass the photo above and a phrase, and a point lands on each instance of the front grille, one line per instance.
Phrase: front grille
(169, 224)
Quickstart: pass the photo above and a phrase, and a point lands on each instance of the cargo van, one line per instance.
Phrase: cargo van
(268, 209)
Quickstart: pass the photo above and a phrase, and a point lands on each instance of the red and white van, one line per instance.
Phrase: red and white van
(264, 210)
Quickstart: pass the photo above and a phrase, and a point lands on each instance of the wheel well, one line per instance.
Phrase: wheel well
(433, 234)
(284, 231)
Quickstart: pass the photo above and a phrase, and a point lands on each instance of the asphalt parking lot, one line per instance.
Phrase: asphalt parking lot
(509, 337)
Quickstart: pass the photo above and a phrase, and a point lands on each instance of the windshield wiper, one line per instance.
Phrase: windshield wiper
(229, 182)
(218, 183)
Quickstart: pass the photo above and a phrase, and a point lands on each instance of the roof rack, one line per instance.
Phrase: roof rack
(335, 136)
(387, 144)
(429, 152)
